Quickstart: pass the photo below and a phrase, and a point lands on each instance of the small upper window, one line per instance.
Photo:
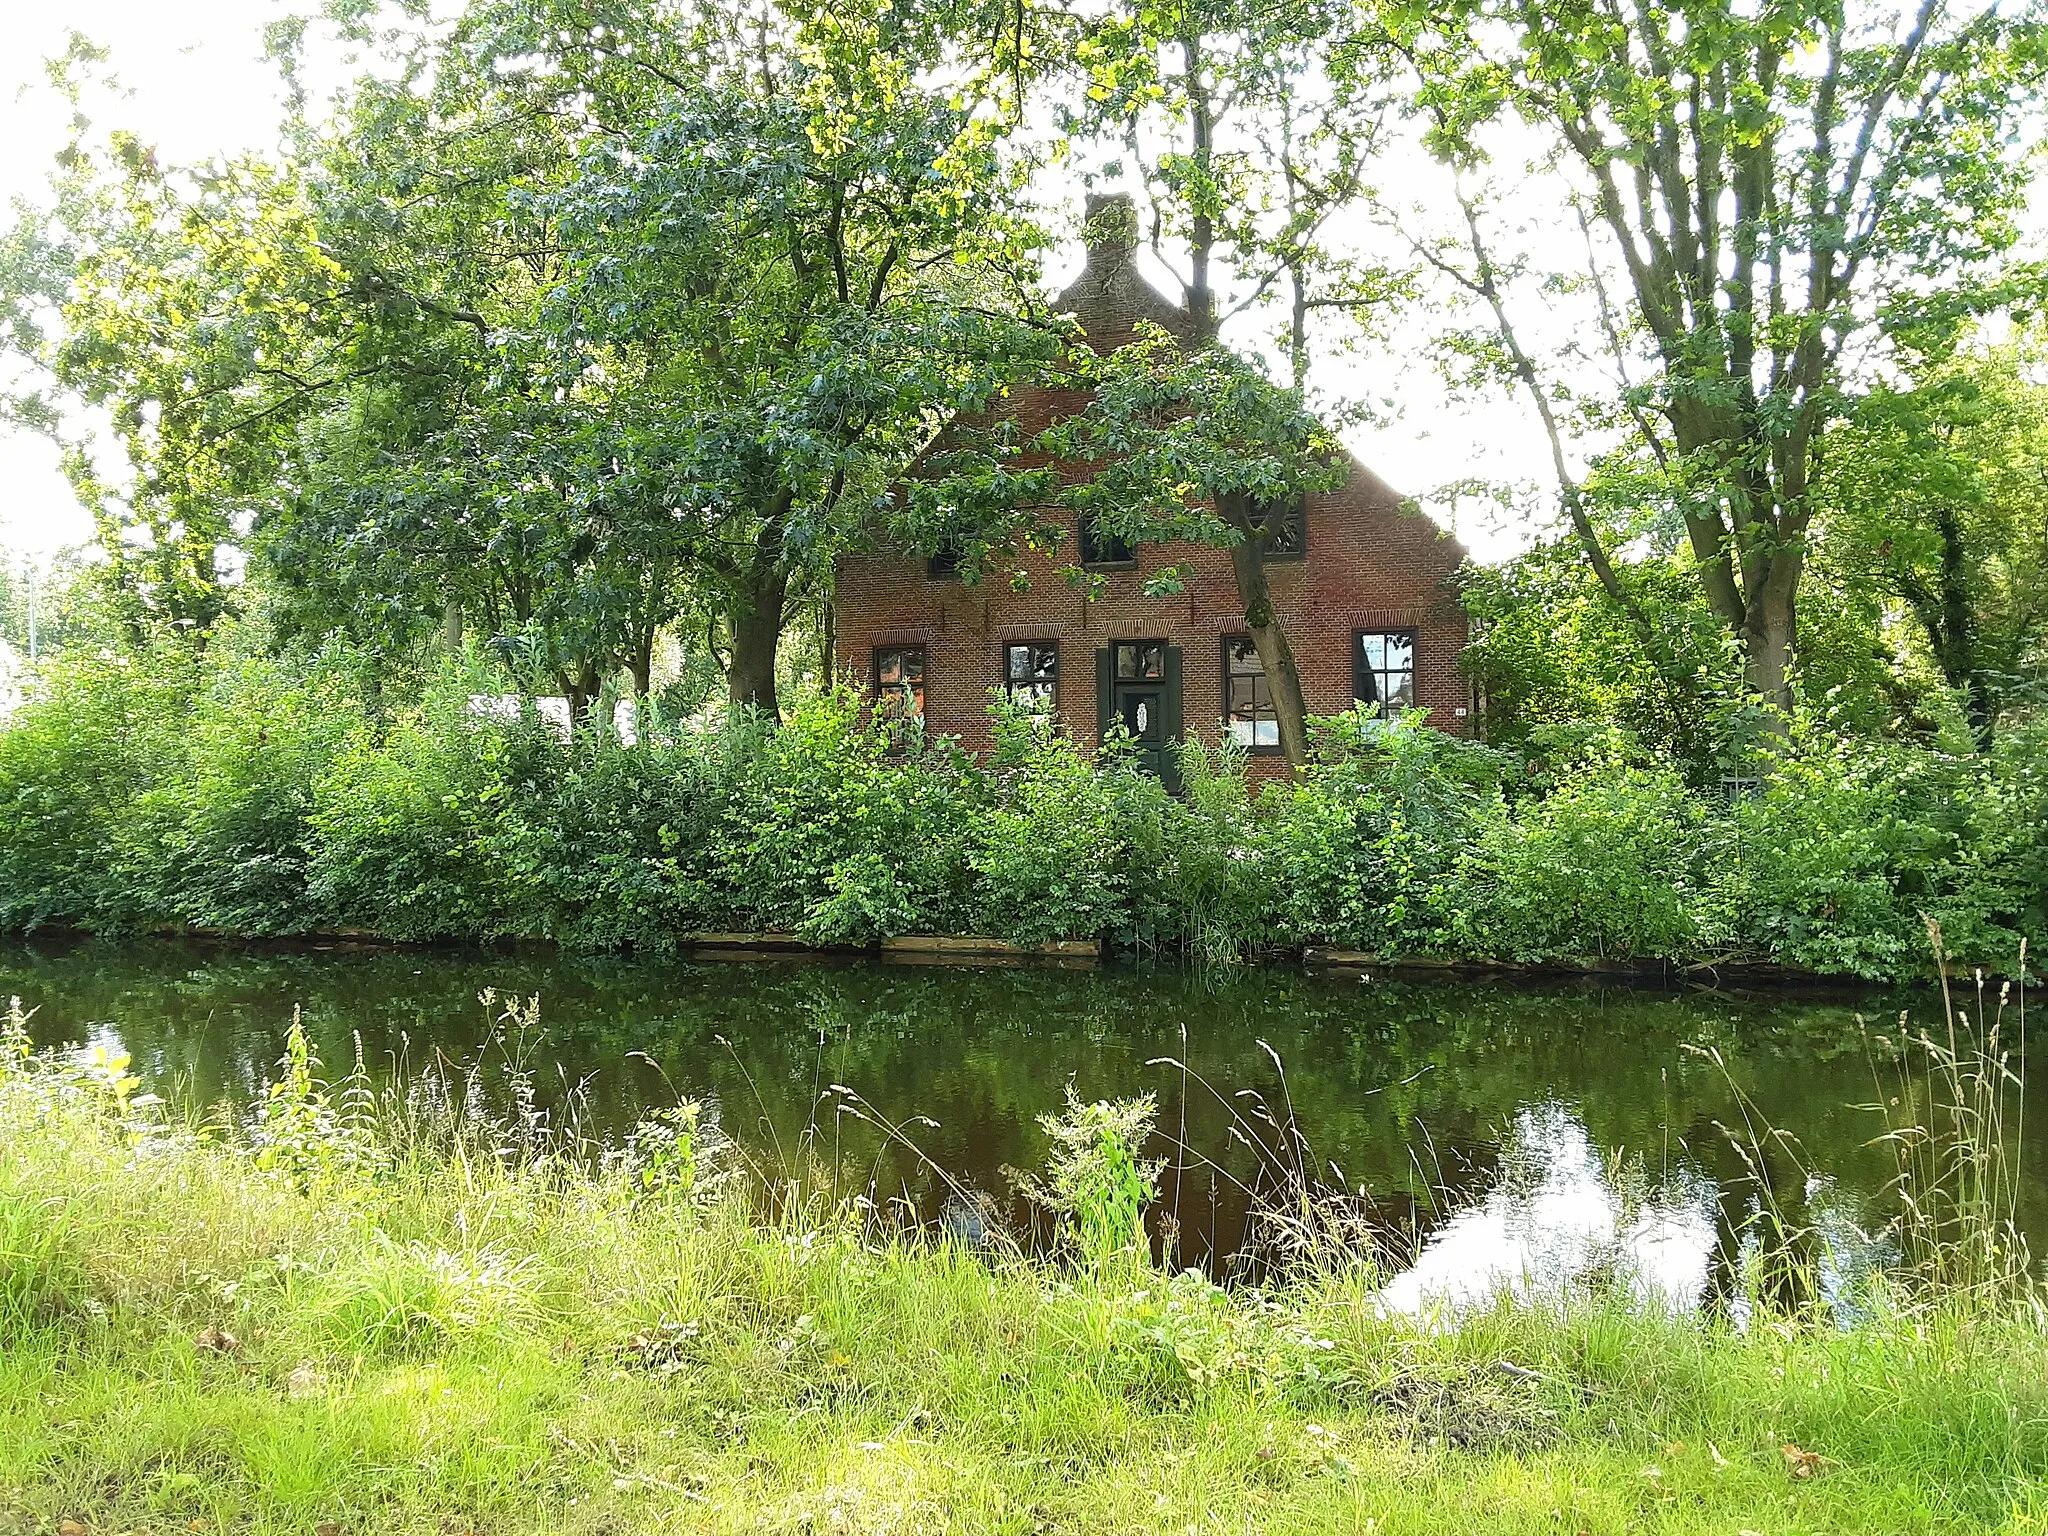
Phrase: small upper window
(1248, 711)
(1384, 667)
(946, 560)
(1100, 548)
(899, 682)
(1286, 525)
(1031, 675)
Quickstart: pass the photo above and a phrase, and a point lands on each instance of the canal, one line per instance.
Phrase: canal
(1489, 1132)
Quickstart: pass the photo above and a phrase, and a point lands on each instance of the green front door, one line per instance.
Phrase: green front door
(1139, 683)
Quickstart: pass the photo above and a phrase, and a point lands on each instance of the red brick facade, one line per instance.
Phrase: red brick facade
(1368, 566)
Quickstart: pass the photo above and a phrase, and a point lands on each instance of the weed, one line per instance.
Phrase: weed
(1096, 1184)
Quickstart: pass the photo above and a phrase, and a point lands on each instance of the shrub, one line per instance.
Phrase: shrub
(819, 809)
(255, 794)
(1602, 868)
(1846, 846)
(96, 735)
(224, 842)
(420, 836)
(1049, 854)
(1805, 875)
(1369, 841)
(620, 852)
(1217, 876)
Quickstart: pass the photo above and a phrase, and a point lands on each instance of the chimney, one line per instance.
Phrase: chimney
(1112, 226)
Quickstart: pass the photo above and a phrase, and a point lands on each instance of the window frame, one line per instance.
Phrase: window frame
(923, 682)
(1359, 669)
(1082, 535)
(1296, 511)
(943, 563)
(1255, 747)
(1010, 684)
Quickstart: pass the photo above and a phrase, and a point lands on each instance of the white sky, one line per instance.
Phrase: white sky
(198, 86)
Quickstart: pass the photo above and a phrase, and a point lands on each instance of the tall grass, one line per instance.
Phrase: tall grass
(1955, 1111)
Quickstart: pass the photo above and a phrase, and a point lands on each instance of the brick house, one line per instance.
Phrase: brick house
(1362, 595)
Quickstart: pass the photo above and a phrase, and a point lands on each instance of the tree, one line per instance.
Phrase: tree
(450, 482)
(701, 285)
(175, 294)
(1201, 446)
(1778, 196)
(1244, 149)
(788, 297)
(1936, 493)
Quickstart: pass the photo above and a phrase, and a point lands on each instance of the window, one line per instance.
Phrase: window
(1099, 548)
(1031, 675)
(1384, 668)
(1140, 660)
(1286, 525)
(1248, 713)
(945, 562)
(899, 682)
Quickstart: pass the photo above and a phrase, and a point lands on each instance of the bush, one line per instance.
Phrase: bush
(255, 794)
(420, 836)
(225, 841)
(1603, 868)
(1369, 843)
(74, 760)
(1051, 852)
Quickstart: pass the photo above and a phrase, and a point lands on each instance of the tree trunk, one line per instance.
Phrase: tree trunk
(579, 688)
(756, 621)
(1276, 656)
(641, 664)
(1769, 633)
(1200, 295)
(1956, 644)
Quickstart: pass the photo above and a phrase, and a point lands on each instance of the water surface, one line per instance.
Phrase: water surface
(1517, 1131)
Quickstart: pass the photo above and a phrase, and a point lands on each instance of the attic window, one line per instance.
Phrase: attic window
(1100, 548)
(1286, 525)
(946, 560)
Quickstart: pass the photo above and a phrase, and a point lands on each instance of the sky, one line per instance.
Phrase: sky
(198, 86)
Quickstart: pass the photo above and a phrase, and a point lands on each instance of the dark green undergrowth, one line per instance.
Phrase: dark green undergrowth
(256, 796)
(371, 1314)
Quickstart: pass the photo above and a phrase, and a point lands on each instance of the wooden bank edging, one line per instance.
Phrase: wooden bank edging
(1707, 973)
(919, 945)
(1084, 953)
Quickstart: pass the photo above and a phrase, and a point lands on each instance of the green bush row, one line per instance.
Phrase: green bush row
(258, 796)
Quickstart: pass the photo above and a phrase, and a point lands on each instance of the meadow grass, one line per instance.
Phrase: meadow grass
(333, 1326)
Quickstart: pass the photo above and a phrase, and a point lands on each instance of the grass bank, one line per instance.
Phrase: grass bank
(357, 1317)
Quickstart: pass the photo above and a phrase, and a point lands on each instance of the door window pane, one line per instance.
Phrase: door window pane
(1140, 715)
(1248, 711)
(1386, 670)
(1140, 659)
(1031, 675)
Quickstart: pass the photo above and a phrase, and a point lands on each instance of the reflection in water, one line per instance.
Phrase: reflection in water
(1559, 1212)
(1507, 1135)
